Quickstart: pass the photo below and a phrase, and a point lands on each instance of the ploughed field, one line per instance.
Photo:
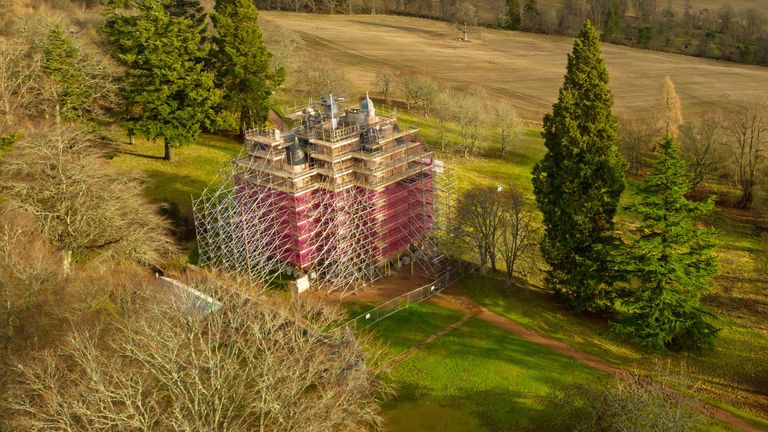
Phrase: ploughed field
(525, 68)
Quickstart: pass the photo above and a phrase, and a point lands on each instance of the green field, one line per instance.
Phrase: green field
(475, 378)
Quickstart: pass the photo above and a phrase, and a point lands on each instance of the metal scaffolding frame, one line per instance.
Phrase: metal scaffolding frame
(343, 216)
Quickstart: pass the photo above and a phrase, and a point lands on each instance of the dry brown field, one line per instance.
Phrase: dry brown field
(527, 69)
(488, 10)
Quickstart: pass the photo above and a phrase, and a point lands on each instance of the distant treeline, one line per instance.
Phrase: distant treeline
(725, 33)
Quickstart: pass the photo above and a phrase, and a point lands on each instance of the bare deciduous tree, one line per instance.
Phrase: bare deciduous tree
(19, 73)
(749, 136)
(282, 44)
(518, 239)
(478, 220)
(254, 364)
(636, 139)
(463, 15)
(703, 148)
(505, 118)
(324, 77)
(445, 105)
(29, 267)
(384, 81)
(470, 115)
(420, 92)
(82, 203)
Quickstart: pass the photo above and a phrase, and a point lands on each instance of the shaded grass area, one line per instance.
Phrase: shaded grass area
(734, 372)
(475, 378)
(176, 182)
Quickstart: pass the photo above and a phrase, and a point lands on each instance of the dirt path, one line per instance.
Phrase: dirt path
(454, 298)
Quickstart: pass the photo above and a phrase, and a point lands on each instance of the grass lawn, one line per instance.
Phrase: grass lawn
(475, 378)
(734, 372)
(194, 167)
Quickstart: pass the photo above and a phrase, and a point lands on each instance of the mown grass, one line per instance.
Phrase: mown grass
(732, 372)
(475, 378)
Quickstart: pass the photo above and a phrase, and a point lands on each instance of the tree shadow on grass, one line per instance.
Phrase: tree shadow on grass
(415, 409)
(133, 153)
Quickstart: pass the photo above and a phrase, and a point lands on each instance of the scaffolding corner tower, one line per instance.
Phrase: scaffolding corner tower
(333, 196)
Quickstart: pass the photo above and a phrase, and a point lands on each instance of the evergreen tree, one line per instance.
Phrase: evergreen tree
(191, 9)
(513, 14)
(242, 62)
(70, 87)
(167, 92)
(670, 262)
(579, 181)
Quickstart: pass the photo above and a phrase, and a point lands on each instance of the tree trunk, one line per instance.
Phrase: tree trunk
(442, 135)
(492, 257)
(167, 146)
(66, 263)
(745, 201)
(483, 260)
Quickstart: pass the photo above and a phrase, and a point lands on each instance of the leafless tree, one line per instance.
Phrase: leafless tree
(636, 140)
(444, 110)
(83, 204)
(505, 118)
(518, 241)
(282, 45)
(702, 146)
(384, 81)
(749, 135)
(463, 15)
(420, 92)
(19, 74)
(478, 221)
(29, 269)
(470, 115)
(324, 77)
(257, 363)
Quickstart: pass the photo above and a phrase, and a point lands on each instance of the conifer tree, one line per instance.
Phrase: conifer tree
(513, 14)
(167, 92)
(242, 62)
(579, 181)
(75, 83)
(191, 9)
(670, 262)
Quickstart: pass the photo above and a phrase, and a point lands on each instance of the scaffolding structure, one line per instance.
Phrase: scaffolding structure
(337, 198)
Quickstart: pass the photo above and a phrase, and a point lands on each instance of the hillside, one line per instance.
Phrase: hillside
(525, 68)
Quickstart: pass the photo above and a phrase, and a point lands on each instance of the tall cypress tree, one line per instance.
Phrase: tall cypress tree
(242, 62)
(670, 261)
(579, 181)
(167, 91)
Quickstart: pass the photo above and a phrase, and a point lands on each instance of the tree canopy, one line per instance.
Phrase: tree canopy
(167, 92)
(670, 261)
(580, 179)
(242, 62)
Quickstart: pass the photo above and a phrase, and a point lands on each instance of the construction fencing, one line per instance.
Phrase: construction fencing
(408, 299)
